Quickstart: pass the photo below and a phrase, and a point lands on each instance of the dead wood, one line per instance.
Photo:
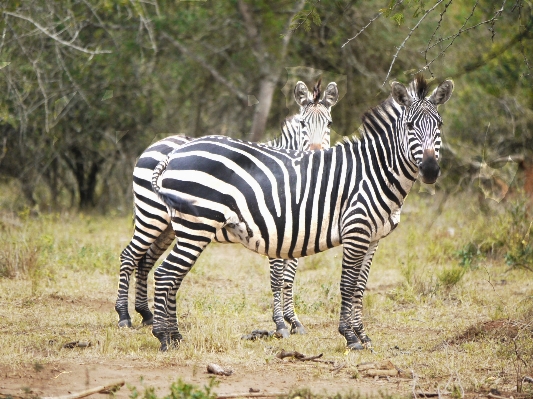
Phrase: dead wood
(251, 395)
(213, 368)
(431, 394)
(297, 355)
(491, 395)
(77, 344)
(112, 387)
(338, 368)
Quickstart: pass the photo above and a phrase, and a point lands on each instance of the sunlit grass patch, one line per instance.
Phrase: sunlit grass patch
(422, 292)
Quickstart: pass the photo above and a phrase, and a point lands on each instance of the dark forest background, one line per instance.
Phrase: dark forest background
(87, 85)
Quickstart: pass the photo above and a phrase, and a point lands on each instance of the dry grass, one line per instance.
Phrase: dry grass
(424, 311)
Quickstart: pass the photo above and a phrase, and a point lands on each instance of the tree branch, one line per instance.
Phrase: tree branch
(55, 37)
(252, 32)
(370, 22)
(407, 38)
(241, 95)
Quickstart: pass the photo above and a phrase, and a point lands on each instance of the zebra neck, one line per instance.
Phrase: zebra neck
(290, 135)
(383, 129)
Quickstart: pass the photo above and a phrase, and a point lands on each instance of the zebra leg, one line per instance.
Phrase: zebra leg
(146, 264)
(142, 239)
(357, 310)
(276, 284)
(289, 315)
(168, 277)
(352, 259)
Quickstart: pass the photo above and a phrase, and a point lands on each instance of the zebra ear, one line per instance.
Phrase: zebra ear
(442, 93)
(400, 95)
(301, 94)
(331, 95)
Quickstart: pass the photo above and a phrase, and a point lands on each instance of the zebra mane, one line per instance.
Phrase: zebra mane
(316, 91)
(419, 87)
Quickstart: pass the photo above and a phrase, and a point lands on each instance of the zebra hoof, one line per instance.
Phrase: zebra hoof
(283, 333)
(126, 323)
(298, 329)
(148, 322)
(356, 346)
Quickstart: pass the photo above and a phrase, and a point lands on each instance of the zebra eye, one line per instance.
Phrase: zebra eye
(302, 123)
(410, 125)
(330, 123)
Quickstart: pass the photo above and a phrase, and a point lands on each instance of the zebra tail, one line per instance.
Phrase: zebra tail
(159, 169)
(171, 200)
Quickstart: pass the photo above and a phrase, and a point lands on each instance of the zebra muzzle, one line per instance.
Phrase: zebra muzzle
(429, 168)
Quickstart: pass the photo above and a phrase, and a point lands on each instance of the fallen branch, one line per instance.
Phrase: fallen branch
(431, 394)
(113, 387)
(251, 395)
(213, 368)
(297, 355)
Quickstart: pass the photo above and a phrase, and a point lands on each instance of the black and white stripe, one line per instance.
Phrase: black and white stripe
(153, 233)
(288, 204)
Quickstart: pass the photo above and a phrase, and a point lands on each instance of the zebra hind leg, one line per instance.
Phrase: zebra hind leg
(168, 277)
(276, 284)
(127, 265)
(145, 265)
(289, 314)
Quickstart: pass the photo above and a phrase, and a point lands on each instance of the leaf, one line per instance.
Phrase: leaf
(315, 17)
(398, 18)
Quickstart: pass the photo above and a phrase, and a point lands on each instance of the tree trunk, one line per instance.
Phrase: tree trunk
(266, 93)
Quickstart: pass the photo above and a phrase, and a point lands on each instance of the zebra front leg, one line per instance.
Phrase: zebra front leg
(289, 314)
(146, 264)
(276, 284)
(168, 277)
(357, 310)
(353, 254)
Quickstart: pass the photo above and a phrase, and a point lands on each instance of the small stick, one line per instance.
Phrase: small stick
(431, 394)
(297, 355)
(491, 395)
(101, 389)
(251, 395)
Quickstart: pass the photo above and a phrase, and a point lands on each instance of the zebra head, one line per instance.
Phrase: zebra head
(315, 113)
(421, 122)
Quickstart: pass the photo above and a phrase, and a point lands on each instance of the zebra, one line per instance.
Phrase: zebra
(288, 204)
(310, 129)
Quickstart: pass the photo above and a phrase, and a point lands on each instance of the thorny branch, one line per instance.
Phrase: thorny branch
(407, 38)
(370, 22)
(441, 16)
(458, 33)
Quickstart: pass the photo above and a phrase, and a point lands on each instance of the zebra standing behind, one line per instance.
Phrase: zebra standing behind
(153, 234)
(288, 204)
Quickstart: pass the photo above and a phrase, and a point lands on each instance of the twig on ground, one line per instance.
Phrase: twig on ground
(297, 355)
(213, 368)
(112, 387)
(431, 394)
(252, 395)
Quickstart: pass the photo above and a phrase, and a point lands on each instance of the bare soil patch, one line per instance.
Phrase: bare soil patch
(284, 376)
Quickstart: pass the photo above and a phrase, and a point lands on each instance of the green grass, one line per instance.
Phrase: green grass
(421, 295)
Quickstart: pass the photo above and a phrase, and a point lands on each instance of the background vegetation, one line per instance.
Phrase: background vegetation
(88, 84)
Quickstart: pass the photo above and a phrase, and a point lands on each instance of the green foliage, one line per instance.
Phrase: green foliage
(469, 255)
(304, 19)
(450, 277)
(178, 390)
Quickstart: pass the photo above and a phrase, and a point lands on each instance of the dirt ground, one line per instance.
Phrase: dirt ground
(282, 377)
